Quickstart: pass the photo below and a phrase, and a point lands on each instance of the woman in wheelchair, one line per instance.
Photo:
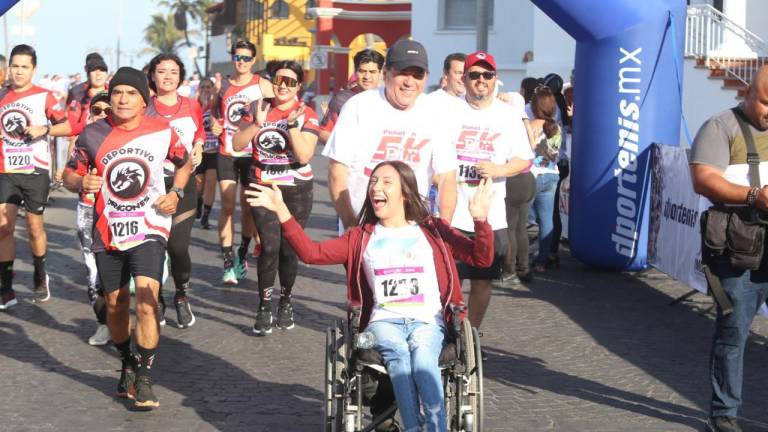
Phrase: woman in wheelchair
(401, 273)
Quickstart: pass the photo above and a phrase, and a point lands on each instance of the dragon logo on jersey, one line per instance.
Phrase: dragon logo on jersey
(272, 141)
(14, 123)
(235, 112)
(127, 178)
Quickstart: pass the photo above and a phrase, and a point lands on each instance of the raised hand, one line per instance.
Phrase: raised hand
(295, 114)
(264, 196)
(481, 201)
(262, 109)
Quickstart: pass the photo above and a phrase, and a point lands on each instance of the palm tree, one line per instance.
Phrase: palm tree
(194, 9)
(162, 36)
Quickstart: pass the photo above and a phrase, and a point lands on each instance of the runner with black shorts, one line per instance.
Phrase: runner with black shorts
(283, 135)
(25, 163)
(205, 174)
(165, 74)
(86, 103)
(120, 160)
(232, 166)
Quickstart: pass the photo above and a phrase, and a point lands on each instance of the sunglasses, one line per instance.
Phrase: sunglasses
(487, 75)
(288, 81)
(242, 58)
(97, 111)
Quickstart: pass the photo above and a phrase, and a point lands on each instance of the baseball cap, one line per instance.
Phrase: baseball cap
(478, 57)
(407, 53)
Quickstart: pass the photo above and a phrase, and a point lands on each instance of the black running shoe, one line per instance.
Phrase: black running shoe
(184, 316)
(160, 310)
(145, 398)
(125, 387)
(8, 299)
(723, 424)
(205, 223)
(43, 291)
(263, 325)
(285, 316)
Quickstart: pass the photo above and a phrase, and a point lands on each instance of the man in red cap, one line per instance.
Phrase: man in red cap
(489, 143)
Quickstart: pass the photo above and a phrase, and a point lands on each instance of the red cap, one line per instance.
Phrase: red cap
(477, 57)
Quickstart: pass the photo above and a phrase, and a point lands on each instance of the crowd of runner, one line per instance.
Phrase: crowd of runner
(146, 160)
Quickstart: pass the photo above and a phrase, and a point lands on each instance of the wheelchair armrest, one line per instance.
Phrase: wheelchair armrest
(456, 311)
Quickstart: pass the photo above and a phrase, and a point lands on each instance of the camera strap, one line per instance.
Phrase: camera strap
(753, 157)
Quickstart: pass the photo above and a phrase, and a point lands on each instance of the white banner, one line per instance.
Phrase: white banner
(674, 243)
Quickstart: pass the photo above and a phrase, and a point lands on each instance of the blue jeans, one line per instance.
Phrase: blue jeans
(747, 290)
(411, 350)
(544, 207)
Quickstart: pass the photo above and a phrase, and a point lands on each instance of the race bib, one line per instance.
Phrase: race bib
(398, 287)
(467, 169)
(18, 159)
(126, 228)
(277, 171)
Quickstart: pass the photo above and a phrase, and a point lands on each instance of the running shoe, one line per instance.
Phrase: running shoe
(263, 325)
(101, 337)
(229, 277)
(8, 300)
(285, 316)
(145, 398)
(723, 424)
(161, 310)
(184, 316)
(205, 223)
(241, 265)
(125, 387)
(43, 291)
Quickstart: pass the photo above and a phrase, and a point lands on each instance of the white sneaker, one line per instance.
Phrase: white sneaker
(101, 337)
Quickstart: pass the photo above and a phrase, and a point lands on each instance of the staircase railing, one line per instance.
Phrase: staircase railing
(722, 43)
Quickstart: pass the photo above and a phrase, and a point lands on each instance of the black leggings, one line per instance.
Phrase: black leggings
(178, 241)
(277, 256)
(520, 191)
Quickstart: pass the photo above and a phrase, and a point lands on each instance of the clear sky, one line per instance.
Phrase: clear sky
(65, 31)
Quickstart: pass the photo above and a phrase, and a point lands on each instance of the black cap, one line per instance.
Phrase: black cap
(407, 53)
(100, 97)
(94, 61)
(131, 77)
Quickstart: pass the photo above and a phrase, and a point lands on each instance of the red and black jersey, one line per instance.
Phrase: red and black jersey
(35, 106)
(78, 104)
(185, 117)
(130, 162)
(232, 103)
(334, 107)
(273, 158)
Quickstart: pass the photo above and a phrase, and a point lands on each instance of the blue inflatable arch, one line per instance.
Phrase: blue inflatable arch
(628, 57)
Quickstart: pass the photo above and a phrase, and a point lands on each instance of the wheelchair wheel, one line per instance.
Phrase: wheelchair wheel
(335, 364)
(473, 420)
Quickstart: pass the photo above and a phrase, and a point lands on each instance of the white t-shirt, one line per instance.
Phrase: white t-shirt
(495, 134)
(400, 269)
(441, 96)
(370, 130)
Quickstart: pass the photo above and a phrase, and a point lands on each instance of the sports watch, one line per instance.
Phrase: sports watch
(179, 191)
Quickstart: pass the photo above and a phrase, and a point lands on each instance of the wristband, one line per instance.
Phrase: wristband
(293, 125)
(752, 196)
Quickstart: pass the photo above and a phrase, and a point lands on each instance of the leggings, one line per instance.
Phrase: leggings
(181, 231)
(277, 256)
(520, 191)
(85, 236)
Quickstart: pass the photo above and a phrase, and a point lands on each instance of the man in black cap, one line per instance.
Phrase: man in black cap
(120, 161)
(394, 123)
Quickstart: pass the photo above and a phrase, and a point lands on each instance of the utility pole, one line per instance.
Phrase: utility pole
(119, 32)
(482, 25)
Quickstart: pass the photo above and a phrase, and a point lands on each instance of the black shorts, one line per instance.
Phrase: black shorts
(236, 169)
(32, 189)
(189, 202)
(208, 163)
(494, 271)
(116, 267)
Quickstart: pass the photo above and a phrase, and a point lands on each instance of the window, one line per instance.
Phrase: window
(279, 10)
(254, 10)
(310, 4)
(462, 14)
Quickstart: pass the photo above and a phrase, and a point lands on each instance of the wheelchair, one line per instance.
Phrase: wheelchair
(347, 368)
